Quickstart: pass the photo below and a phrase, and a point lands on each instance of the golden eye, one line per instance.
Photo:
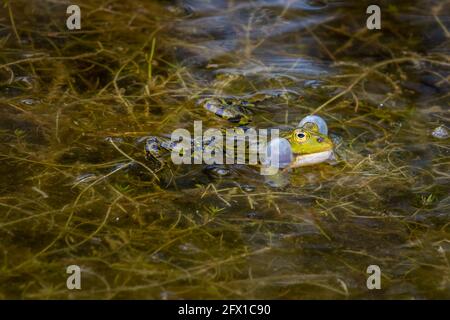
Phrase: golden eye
(300, 136)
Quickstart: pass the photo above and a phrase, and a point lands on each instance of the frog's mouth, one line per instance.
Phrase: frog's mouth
(301, 160)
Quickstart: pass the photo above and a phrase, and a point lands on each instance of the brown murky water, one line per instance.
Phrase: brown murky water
(77, 106)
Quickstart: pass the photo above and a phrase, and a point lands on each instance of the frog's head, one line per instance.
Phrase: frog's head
(308, 140)
(305, 145)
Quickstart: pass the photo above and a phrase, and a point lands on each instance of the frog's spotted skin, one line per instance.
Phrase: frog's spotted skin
(157, 147)
(235, 110)
(230, 110)
(153, 148)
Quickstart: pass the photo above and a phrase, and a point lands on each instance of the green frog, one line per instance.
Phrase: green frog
(307, 144)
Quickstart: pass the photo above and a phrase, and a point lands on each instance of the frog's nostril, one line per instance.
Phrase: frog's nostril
(320, 139)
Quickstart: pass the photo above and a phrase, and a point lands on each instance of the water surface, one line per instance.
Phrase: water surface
(77, 107)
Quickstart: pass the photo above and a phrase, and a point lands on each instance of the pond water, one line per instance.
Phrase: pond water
(78, 105)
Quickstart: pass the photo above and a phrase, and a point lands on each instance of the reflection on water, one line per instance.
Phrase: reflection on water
(77, 108)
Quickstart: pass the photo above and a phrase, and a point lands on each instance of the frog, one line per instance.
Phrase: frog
(309, 144)
(306, 144)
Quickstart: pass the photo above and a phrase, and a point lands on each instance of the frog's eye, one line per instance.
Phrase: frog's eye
(300, 136)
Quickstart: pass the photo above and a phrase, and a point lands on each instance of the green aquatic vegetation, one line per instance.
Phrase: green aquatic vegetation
(76, 108)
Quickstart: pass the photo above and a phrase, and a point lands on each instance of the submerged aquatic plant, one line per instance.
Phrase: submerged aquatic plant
(77, 107)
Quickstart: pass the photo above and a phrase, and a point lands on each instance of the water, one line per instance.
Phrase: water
(77, 107)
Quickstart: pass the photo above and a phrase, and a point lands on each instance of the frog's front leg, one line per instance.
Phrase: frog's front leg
(156, 149)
